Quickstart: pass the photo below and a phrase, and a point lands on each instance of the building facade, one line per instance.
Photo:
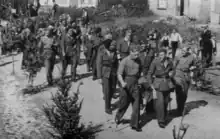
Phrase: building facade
(87, 3)
(199, 9)
(68, 3)
(215, 12)
(62, 3)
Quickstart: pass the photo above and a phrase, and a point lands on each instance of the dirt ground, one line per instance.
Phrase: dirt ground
(203, 117)
(22, 115)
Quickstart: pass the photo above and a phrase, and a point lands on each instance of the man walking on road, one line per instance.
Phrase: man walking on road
(183, 65)
(206, 46)
(46, 43)
(161, 68)
(107, 65)
(175, 41)
(130, 68)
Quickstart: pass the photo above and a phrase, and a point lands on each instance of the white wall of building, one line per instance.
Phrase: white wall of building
(214, 13)
(63, 3)
(87, 3)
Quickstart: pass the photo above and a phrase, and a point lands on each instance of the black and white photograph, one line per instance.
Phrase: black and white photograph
(109, 69)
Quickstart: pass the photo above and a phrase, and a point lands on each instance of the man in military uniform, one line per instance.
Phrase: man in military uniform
(160, 69)
(153, 38)
(97, 41)
(107, 64)
(88, 49)
(183, 65)
(70, 54)
(130, 69)
(206, 46)
(46, 44)
(85, 17)
(124, 45)
(61, 33)
(24, 37)
(146, 58)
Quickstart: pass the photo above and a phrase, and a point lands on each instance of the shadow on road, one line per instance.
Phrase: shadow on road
(6, 63)
(31, 90)
(146, 118)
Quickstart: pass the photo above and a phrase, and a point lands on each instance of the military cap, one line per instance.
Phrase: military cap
(205, 26)
(163, 51)
(113, 42)
(107, 43)
(50, 27)
(108, 36)
(128, 31)
(134, 48)
(98, 30)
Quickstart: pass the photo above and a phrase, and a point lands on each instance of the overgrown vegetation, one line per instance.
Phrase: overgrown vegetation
(64, 115)
(190, 34)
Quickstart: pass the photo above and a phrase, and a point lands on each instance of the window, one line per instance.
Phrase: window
(162, 4)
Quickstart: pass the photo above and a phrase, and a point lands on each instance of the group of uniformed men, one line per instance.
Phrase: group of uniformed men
(138, 69)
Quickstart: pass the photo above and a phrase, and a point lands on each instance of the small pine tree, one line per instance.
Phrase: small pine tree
(64, 114)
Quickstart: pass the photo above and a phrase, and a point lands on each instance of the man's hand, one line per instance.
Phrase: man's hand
(192, 68)
(171, 74)
(100, 81)
(123, 84)
(214, 53)
(63, 53)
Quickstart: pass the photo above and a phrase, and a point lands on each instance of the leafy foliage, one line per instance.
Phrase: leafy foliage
(64, 115)
(190, 35)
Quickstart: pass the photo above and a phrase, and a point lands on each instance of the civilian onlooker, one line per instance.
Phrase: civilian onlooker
(175, 41)
(165, 40)
(1, 41)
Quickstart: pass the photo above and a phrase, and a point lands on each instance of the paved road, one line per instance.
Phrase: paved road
(3, 135)
(204, 118)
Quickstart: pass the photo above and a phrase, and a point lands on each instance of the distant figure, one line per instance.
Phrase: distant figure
(206, 46)
(85, 17)
(175, 41)
(33, 8)
(54, 8)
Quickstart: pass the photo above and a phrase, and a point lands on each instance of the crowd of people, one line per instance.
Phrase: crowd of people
(143, 71)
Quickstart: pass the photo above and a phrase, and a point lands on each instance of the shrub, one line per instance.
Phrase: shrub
(64, 115)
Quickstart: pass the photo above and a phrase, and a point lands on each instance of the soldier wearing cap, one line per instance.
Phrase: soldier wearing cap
(97, 41)
(24, 36)
(85, 16)
(159, 78)
(107, 65)
(88, 48)
(183, 65)
(146, 89)
(130, 69)
(70, 54)
(46, 44)
(206, 46)
(124, 45)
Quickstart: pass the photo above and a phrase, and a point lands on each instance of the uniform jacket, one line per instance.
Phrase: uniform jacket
(69, 45)
(182, 73)
(107, 64)
(123, 48)
(158, 74)
(206, 42)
